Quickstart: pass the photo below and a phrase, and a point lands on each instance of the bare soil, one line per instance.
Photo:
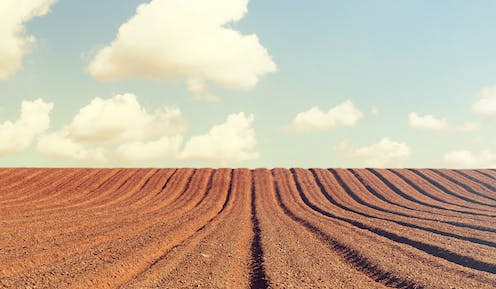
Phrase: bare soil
(240, 228)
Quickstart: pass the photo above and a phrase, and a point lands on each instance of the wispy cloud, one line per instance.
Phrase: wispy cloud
(434, 123)
(385, 153)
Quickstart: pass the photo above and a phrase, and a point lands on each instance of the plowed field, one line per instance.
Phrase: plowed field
(224, 228)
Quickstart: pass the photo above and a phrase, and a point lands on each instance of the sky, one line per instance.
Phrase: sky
(181, 83)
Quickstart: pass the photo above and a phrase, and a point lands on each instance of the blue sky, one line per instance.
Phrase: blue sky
(432, 58)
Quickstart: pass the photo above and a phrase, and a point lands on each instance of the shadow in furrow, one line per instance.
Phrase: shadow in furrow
(486, 174)
(147, 181)
(423, 192)
(258, 278)
(169, 179)
(463, 185)
(465, 261)
(350, 192)
(190, 237)
(354, 258)
(452, 223)
(474, 179)
(445, 189)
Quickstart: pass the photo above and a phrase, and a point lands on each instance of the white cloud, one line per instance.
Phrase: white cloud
(314, 119)
(119, 130)
(430, 122)
(469, 159)
(34, 120)
(486, 104)
(14, 42)
(427, 121)
(122, 118)
(385, 153)
(164, 148)
(58, 145)
(118, 121)
(191, 39)
(230, 142)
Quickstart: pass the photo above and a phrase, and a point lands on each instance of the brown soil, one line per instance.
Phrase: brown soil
(240, 228)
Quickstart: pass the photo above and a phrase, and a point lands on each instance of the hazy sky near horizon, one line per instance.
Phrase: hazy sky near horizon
(247, 83)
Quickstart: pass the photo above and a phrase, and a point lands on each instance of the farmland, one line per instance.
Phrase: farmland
(225, 228)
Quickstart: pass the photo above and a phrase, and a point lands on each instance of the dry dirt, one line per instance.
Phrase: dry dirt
(225, 228)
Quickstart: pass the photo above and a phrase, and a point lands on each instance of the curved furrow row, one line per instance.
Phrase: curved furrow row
(420, 258)
(479, 178)
(53, 192)
(475, 256)
(459, 194)
(149, 246)
(488, 173)
(95, 230)
(27, 186)
(461, 184)
(68, 200)
(358, 202)
(420, 192)
(394, 203)
(17, 178)
(216, 256)
(126, 182)
(294, 256)
(240, 228)
(482, 191)
(138, 231)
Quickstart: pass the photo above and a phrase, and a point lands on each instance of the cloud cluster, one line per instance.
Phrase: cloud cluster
(191, 39)
(19, 135)
(59, 146)
(122, 118)
(120, 130)
(385, 153)
(314, 119)
(166, 147)
(486, 104)
(14, 43)
(119, 120)
(430, 122)
(469, 159)
(232, 141)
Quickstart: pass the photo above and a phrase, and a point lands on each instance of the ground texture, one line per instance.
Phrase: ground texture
(204, 228)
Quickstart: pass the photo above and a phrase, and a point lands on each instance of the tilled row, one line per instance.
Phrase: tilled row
(240, 228)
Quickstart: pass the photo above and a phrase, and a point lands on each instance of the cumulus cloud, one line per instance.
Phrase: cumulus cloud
(166, 147)
(122, 118)
(191, 39)
(468, 159)
(118, 121)
(430, 122)
(58, 145)
(14, 42)
(314, 119)
(385, 153)
(120, 130)
(18, 135)
(486, 104)
(229, 142)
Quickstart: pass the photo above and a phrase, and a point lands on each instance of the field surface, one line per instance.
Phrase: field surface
(204, 228)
